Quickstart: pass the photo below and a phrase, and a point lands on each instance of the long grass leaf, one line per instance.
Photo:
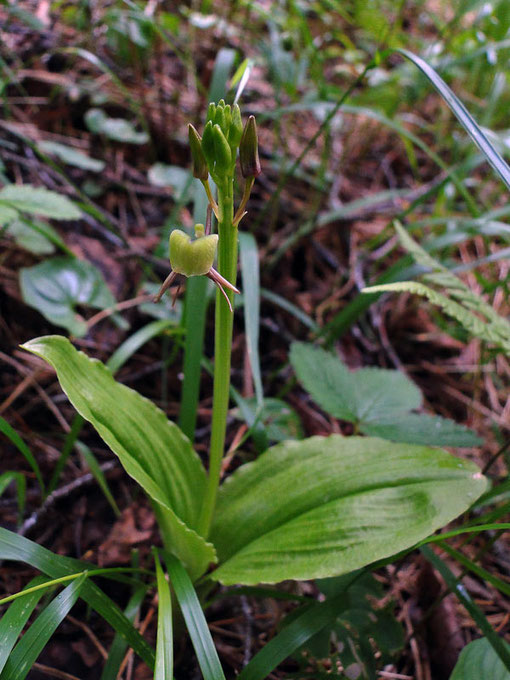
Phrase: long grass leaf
(502, 586)
(21, 487)
(163, 668)
(98, 475)
(11, 434)
(33, 642)
(70, 440)
(15, 618)
(251, 290)
(132, 344)
(20, 549)
(303, 627)
(463, 116)
(195, 620)
(119, 645)
(474, 611)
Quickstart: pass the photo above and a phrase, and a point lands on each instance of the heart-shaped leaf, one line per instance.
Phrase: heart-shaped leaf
(379, 401)
(56, 286)
(326, 506)
(151, 448)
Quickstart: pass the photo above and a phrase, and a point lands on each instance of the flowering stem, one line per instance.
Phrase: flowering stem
(227, 267)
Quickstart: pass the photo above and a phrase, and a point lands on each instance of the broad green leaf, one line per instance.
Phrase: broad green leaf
(163, 668)
(33, 236)
(479, 660)
(279, 420)
(378, 401)
(58, 285)
(7, 214)
(326, 506)
(196, 624)
(33, 642)
(328, 380)
(14, 619)
(39, 201)
(71, 156)
(117, 129)
(380, 393)
(20, 549)
(420, 428)
(151, 448)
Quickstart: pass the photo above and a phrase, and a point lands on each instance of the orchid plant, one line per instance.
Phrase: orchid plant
(313, 508)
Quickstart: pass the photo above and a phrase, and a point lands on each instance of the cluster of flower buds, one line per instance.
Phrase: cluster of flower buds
(215, 152)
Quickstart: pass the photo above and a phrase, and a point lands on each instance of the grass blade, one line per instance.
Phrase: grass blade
(132, 344)
(475, 612)
(69, 443)
(21, 549)
(290, 308)
(476, 569)
(463, 116)
(222, 68)
(164, 645)
(251, 290)
(195, 620)
(33, 642)
(15, 618)
(11, 434)
(119, 645)
(313, 619)
(21, 487)
(98, 475)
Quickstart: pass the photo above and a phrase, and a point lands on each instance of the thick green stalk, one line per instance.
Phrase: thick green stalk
(227, 267)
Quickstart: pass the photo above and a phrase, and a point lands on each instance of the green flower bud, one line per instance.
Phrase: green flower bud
(222, 153)
(192, 258)
(236, 128)
(208, 145)
(211, 111)
(199, 164)
(227, 112)
(249, 150)
(219, 117)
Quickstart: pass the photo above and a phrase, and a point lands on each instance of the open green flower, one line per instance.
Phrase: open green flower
(194, 258)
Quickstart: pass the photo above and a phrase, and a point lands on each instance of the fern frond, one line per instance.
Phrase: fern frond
(456, 300)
